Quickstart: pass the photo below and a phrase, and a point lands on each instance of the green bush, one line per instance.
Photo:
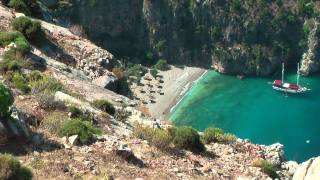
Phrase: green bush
(235, 6)
(27, 27)
(211, 134)
(105, 106)
(20, 82)
(6, 100)
(9, 65)
(154, 72)
(162, 65)
(266, 167)
(188, 138)
(20, 41)
(35, 76)
(83, 129)
(75, 112)
(136, 70)
(45, 85)
(143, 132)
(159, 138)
(226, 138)
(10, 168)
(19, 5)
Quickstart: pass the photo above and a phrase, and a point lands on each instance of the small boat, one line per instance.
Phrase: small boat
(280, 85)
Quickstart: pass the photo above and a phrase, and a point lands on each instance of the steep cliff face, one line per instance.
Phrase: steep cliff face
(115, 25)
(311, 58)
(236, 37)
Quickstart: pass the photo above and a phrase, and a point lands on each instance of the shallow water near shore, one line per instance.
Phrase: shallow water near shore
(251, 109)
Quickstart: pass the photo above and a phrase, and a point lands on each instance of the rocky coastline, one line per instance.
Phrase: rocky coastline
(80, 66)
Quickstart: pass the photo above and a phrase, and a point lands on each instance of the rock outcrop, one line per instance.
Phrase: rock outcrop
(309, 170)
(6, 17)
(91, 59)
(311, 59)
(274, 153)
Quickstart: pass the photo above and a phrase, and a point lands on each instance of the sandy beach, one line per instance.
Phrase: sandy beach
(177, 81)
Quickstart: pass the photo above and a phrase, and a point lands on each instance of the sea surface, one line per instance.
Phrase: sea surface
(251, 109)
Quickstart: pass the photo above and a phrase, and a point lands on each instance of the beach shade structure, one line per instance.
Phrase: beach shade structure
(158, 76)
(152, 101)
(152, 90)
(147, 78)
(141, 90)
(144, 101)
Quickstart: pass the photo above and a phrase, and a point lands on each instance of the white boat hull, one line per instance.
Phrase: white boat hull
(299, 91)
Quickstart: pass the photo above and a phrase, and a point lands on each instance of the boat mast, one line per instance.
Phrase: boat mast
(282, 78)
(298, 74)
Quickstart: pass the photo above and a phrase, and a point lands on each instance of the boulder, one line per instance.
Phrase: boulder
(73, 140)
(274, 153)
(127, 154)
(65, 142)
(17, 125)
(6, 17)
(309, 170)
(105, 80)
(290, 166)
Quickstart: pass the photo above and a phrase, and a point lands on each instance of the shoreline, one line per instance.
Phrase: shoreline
(184, 93)
(177, 82)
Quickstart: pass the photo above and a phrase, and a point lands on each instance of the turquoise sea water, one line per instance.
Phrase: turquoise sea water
(251, 109)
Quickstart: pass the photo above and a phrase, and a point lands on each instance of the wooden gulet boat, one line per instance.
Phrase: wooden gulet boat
(280, 85)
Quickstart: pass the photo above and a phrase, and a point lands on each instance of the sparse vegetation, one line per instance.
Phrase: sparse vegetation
(182, 137)
(154, 72)
(35, 76)
(162, 65)
(21, 44)
(104, 106)
(75, 112)
(136, 70)
(83, 129)
(6, 100)
(118, 72)
(47, 101)
(10, 168)
(266, 167)
(211, 134)
(159, 138)
(53, 122)
(9, 65)
(46, 85)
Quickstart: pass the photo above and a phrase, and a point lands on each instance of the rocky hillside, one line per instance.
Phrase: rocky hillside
(235, 37)
(60, 122)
